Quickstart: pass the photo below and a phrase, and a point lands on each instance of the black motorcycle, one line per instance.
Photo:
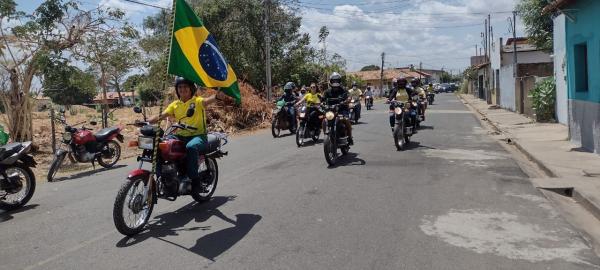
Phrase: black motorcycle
(335, 135)
(17, 181)
(282, 119)
(430, 98)
(369, 102)
(405, 118)
(310, 124)
(354, 108)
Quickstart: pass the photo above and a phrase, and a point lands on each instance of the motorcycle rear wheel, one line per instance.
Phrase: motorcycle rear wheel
(113, 155)
(28, 184)
(126, 201)
(201, 194)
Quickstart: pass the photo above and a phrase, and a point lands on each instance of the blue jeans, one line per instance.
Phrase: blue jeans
(292, 114)
(194, 145)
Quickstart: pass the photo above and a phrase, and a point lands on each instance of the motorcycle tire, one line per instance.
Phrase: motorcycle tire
(28, 173)
(56, 163)
(330, 150)
(399, 137)
(300, 136)
(120, 203)
(115, 151)
(275, 128)
(201, 195)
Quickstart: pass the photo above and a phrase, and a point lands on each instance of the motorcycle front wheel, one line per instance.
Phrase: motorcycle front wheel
(110, 155)
(399, 136)
(275, 128)
(56, 163)
(21, 194)
(300, 132)
(131, 212)
(330, 150)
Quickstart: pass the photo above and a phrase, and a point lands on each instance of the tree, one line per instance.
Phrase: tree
(55, 26)
(370, 67)
(125, 57)
(538, 26)
(445, 77)
(67, 85)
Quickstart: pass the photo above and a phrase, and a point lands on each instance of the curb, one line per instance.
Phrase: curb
(588, 204)
(516, 143)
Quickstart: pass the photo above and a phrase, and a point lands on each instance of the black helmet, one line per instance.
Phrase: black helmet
(401, 80)
(288, 86)
(354, 84)
(430, 84)
(335, 80)
(181, 80)
(415, 82)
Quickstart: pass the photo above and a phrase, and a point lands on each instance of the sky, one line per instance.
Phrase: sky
(437, 33)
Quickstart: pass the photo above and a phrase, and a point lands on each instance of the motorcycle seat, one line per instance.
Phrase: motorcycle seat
(10, 149)
(212, 144)
(104, 133)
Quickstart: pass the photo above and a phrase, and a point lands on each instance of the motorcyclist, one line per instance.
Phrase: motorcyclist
(312, 100)
(289, 97)
(195, 139)
(430, 89)
(368, 94)
(418, 90)
(396, 94)
(356, 94)
(336, 94)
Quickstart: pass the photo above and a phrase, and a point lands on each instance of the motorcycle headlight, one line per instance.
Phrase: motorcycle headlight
(398, 110)
(275, 111)
(329, 116)
(67, 136)
(302, 115)
(146, 143)
(414, 104)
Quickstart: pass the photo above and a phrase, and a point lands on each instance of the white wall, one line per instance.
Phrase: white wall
(507, 88)
(560, 70)
(527, 57)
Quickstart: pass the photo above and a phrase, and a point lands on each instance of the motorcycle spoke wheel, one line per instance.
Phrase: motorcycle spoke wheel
(131, 211)
(110, 155)
(275, 131)
(203, 191)
(330, 150)
(300, 133)
(20, 195)
(56, 163)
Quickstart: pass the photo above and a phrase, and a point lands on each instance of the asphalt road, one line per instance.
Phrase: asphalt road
(454, 200)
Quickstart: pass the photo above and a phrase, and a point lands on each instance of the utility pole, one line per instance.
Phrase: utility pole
(381, 75)
(268, 49)
(476, 50)
(420, 69)
(514, 30)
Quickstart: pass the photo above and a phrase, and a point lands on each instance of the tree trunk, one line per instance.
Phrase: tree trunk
(104, 100)
(18, 106)
(118, 88)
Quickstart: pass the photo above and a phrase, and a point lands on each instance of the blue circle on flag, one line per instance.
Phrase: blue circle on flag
(211, 60)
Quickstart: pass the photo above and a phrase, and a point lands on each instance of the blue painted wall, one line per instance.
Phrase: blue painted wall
(585, 29)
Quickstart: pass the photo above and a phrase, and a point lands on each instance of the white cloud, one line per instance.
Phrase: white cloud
(421, 31)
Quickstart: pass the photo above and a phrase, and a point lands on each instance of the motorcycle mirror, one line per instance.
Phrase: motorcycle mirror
(93, 123)
(137, 109)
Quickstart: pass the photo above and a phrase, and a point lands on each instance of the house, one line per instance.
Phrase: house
(373, 77)
(112, 98)
(435, 75)
(582, 60)
(510, 88)
(42, 102)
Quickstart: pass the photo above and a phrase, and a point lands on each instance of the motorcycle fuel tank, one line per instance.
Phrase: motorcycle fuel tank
(83, 136)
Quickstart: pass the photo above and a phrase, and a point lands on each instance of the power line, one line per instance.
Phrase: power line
(146, 4)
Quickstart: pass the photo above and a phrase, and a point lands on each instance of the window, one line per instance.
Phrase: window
(581, 67)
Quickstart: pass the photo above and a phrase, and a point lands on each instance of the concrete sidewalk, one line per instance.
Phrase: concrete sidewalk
(566, 165)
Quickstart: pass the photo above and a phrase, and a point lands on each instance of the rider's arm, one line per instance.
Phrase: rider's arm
(159, 117)
(300, 101)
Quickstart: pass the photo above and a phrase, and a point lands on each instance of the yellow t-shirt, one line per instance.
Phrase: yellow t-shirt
(179, 109)
(311, 99)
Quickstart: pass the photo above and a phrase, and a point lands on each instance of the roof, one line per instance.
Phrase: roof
(388, 74)
(112, 95)
(520, 40)
(556, 5)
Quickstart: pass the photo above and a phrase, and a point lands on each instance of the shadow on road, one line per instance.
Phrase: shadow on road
(422, 127)
(351, 159)
(208, 246)
(415, 145)
(287, 134)
(87, 173)
(7, 215)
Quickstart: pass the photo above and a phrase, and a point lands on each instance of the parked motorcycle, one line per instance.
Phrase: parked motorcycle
(369, 102)
(281, 119)
(141, 190)
(310, 124)
(335, 135)
(405, 115)
(17, 181)
(354, 107)
(81, 145)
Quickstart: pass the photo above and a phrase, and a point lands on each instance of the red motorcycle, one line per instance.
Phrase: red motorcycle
(82, 145)
(137, 196)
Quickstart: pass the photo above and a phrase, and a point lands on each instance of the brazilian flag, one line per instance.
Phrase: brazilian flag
(195, 54)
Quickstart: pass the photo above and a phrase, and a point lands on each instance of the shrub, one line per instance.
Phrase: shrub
(543, 97)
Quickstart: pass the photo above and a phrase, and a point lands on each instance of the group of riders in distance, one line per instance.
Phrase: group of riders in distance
(335, 110)
(184, 155)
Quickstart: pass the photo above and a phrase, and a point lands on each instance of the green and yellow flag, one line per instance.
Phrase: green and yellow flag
(195, 54)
